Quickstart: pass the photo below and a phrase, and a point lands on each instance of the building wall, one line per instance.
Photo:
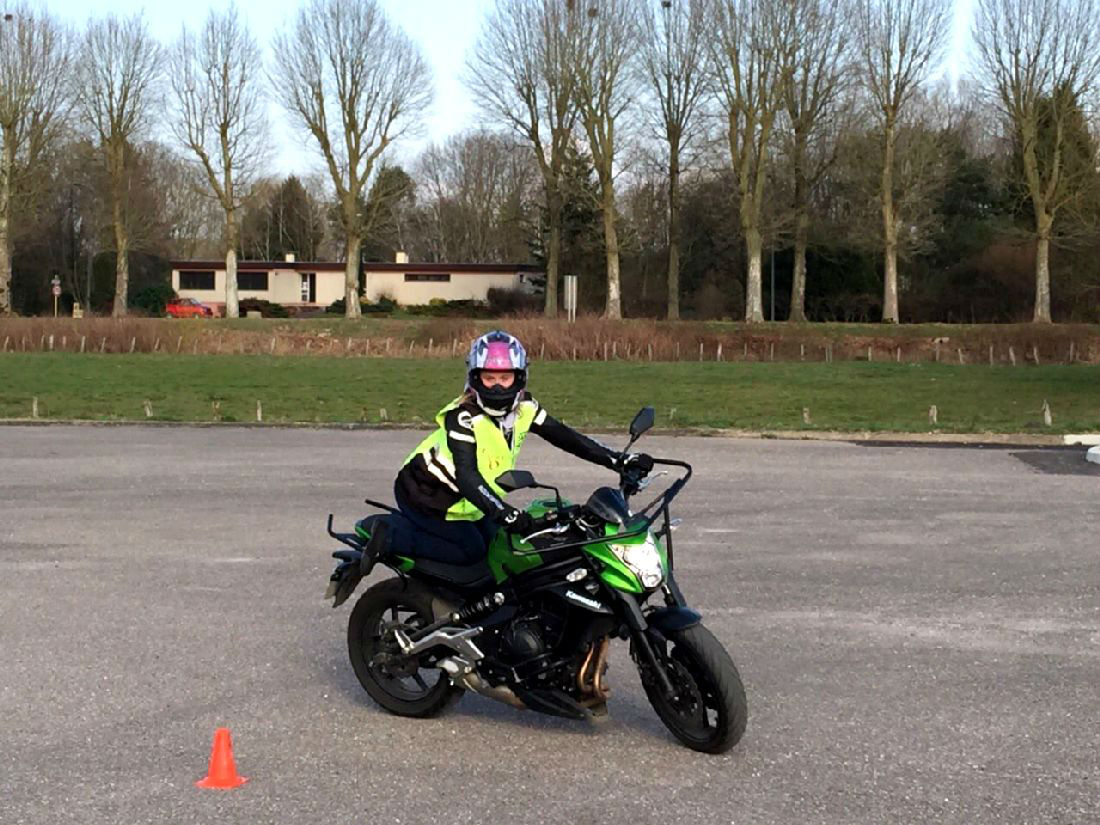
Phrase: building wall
(462, 286)
(284, 286)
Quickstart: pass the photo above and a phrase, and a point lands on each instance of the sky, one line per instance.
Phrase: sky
(445, 30)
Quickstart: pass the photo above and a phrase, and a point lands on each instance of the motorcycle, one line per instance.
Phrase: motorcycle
(532, 625)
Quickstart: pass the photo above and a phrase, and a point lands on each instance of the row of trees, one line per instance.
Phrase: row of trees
(788, 77)
(657, 149)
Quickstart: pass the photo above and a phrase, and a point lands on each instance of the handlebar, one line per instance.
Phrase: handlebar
(647, 520)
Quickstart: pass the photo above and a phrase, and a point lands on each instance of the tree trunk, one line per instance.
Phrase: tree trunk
(1042, 269)
(614, 309)
(351, 277)
(122, 256)
(232, 307)
(801, 231)
(754, 304)
(674, 236)
(798, 284)
(890, 231)
(553, 254)
(7, 169)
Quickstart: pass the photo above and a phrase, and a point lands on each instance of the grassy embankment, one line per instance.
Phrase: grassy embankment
(847, 396)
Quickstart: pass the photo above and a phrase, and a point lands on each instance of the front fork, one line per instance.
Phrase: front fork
(644, 628)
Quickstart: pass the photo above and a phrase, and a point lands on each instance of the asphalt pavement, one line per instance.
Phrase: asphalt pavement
(917, 629)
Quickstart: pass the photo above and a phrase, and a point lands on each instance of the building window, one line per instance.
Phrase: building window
(199, 280)
(255, 281)
(442, 277)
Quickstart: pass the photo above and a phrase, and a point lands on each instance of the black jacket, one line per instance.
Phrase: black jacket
(427, 494)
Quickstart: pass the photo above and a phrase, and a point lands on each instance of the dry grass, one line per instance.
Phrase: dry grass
(589, 339)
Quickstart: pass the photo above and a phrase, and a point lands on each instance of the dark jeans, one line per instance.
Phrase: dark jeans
(452, 542)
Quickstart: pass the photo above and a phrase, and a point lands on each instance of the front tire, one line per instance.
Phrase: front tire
(406, 688)
(710, 712)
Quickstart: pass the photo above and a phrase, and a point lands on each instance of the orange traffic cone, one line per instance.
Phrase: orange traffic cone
(223, 770)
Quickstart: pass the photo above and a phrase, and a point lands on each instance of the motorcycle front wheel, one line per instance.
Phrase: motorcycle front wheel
(709, 712)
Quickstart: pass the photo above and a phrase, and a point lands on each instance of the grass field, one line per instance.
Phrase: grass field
(846, 396)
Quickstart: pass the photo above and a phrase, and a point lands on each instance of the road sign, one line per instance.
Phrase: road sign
(56, 289)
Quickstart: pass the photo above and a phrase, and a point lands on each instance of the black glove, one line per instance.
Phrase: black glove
(518, 522)
(635, 463)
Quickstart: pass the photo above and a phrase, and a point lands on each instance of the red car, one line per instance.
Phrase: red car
(187, 308)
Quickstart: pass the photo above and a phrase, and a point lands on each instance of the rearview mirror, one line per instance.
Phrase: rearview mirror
(642, 421)
(515, 480)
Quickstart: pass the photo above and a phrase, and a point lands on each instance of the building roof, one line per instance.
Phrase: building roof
(368, 266)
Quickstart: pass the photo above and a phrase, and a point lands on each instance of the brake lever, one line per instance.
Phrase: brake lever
(557, 528)
(645, 482)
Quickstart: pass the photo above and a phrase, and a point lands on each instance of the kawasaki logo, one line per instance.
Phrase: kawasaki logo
(587, 602)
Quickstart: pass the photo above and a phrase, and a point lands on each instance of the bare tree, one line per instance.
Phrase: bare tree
(523, 73)
(605, 86)
(750, 53)
(118, 75)
(1040, 58)
(818, 75)
(673, 53)
(898, 42)
(471, 182)
(219, 117)
(356, 83)
(34, 74)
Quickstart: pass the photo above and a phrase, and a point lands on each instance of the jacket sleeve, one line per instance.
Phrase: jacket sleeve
(471, 484)
(573, 442)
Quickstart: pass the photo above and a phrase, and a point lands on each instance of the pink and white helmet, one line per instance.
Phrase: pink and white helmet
(496, 351)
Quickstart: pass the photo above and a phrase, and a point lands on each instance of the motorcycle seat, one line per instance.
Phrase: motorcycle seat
(464, 576)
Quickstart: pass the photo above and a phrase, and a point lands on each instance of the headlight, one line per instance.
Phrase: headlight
(643, 559)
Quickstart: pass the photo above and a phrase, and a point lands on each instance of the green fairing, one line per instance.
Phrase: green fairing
(504, 562)
(404, 564)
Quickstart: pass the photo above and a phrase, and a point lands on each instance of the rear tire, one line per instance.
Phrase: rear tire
(414, 688)
(710, 711)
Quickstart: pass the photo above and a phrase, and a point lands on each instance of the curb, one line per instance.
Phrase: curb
(884, 438)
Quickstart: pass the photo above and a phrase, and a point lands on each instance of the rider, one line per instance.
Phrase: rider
(447, 487)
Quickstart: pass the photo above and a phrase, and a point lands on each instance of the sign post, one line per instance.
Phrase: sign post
(570, 297)
(56, 284)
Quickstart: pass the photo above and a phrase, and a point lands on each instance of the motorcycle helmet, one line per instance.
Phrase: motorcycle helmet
(496, 351)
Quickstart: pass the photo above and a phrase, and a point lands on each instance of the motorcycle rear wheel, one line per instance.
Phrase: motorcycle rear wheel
(710, 712)
(411, 688)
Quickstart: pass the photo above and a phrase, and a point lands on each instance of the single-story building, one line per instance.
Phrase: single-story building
(301, 285)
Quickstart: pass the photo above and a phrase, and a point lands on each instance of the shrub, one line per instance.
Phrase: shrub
(152, 298)
(267, 309)
(513, 301)
(339, 307)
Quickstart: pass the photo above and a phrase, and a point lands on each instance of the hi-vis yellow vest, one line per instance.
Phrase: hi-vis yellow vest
(494, 455)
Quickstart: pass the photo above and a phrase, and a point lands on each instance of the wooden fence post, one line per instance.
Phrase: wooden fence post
(133, 343)
(1011, 355)
(148, 406)
(34, 407)
(259, 410)
(933, 415)
(806, 415)
(82, 339)
(991, 355)
(1047, 421)
(1035, 354)
(960, 352)
(718, 354)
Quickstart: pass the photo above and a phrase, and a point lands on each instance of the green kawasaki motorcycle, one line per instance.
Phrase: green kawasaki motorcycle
(531, 626)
